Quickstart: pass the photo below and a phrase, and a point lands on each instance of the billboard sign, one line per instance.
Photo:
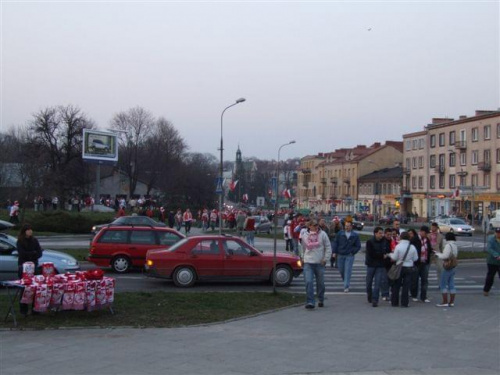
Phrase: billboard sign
(99, 147)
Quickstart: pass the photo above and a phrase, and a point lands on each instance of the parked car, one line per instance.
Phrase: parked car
(8, 259)
(214, 257)
(455, 225)
(262, 225)
(386, 220)
(356, 224)
(495, 220)
(129, 220)
(124, 247)
(5, 225)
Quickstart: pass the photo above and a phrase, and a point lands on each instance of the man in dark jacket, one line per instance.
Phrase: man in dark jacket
(422, 266)
(345, 245)
(376, 253)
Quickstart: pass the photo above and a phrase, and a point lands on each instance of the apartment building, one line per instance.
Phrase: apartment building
(329, 181)
(382, 190)
(453, 165)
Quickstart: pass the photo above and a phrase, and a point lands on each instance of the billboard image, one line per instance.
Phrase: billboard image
(99, 146)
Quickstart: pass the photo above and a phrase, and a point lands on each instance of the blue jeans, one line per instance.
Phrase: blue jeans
(344, 263)
(422, 273)
(295, 246)
(447, 281)
(373, 289)
(312, 270)
(250, 235)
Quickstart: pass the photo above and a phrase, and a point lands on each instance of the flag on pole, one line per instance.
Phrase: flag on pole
(232, 185)
(287, 193)
(456, 193)
(245, 197)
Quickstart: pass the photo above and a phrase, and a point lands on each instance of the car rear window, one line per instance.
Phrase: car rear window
(146, 237)
(167, 238)
(114, 236)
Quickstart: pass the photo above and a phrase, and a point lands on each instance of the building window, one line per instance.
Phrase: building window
(415, 144)
(421, 143)
(442, 161)
(487, 132)
(486, 180)
(453, 158)
(408, 163)
(463, 180)
(498, 181)
(408, 145)
(475, 134)
(474, 157)
(474, 180)
(441, 181)
(432, 182)
(420, 161)
(498, 155)
(452, 181)
(414, 163)
(441, 139)
(487, 156)
(452, 137)
(433, 140)
(432, 161)
(420, 182)
(463, 158)
(413, 182)
(498, 130)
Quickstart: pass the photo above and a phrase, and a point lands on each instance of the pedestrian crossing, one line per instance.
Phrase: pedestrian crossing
(335, 285)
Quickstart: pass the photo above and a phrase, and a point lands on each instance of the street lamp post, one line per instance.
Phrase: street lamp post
(374, 193)
(221, 196)
(276, 213)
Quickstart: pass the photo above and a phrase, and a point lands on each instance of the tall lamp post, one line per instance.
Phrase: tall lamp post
(276, 213)
(221, 196)
(374, 193)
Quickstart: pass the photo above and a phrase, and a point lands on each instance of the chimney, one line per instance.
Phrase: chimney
(462, 117)
(480, 112)
(376, 145)
(441, 120)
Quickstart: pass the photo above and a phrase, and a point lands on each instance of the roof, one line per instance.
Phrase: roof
(383, 174)
(481, 115)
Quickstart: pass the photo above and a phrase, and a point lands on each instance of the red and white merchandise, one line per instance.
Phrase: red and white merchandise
(29, 294)
(48, 269)
(42, 298)
(28, 269)
(110, 290)
(90, 295)
(79, 299)
(100, 293)
(57, 295)
(68, 296)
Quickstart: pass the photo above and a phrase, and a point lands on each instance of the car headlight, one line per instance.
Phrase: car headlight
(459, 229)
(149, 263)
(69, 262)
(299, 263)
(94, 228)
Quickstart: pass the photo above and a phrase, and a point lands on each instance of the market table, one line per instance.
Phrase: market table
(17, 290)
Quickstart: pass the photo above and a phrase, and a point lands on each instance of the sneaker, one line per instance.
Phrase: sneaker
(346, 290)
(309, 307)
(386, 299)
(375, 304)
(486, 294)
(426, 300)
(442, 305)
(415, 299)
(321, 304)
(451, 305)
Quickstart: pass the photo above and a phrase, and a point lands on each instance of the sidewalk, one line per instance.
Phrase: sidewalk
(348, 336)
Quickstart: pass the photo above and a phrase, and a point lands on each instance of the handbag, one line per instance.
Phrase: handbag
(394, 272)
(451, 262)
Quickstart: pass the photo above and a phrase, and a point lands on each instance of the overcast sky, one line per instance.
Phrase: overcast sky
(327, 74)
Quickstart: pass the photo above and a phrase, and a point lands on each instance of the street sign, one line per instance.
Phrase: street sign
(218, 185)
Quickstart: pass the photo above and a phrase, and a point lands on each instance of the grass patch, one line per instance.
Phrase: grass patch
(159, 309)
(78, 254)
(472, 254)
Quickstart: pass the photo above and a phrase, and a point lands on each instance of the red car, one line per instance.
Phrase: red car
(124, 247)
(219, 258)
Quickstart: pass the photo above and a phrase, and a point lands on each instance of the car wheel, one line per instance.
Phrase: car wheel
(121, 264)
(184, 277)
(283, 275)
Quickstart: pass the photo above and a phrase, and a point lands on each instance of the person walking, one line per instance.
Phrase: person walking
(29, 250)
(287, 234)
(447, 279)
(14, 213)
(376, 253)
(422, 267)
(493, 261)
(178, 220)
(249, 227)
(335, 227)
(406, 254)
(187, 217)
(316, 250)
(345, 247)
(437, 243)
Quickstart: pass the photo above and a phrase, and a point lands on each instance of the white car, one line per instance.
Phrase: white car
(495, 220)
(455, 225)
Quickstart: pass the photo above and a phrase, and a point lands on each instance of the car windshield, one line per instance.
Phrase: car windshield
(177, 245)
(457, 221)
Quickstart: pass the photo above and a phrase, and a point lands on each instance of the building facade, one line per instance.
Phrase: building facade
(453, 166)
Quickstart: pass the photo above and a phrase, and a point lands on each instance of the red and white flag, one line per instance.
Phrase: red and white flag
(245, 197)
(287, 193)
(456, 193)
(232, 185)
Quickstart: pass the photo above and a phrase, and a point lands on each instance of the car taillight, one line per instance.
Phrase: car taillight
(149, 263)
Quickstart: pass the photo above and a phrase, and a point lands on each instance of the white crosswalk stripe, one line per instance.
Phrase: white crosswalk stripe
(335, 285)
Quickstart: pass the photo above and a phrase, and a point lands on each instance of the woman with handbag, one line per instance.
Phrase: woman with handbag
(447, 280)
(404, 254)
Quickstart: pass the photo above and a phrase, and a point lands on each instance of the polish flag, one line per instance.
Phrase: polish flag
(232, 185)
(245, 197)
(287, 194)
(456, 193)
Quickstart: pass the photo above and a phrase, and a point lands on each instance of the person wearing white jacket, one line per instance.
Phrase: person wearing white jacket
(447, 280)
(316, 251)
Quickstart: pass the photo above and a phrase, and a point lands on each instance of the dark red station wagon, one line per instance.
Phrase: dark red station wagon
(124, 247)
(219, 258)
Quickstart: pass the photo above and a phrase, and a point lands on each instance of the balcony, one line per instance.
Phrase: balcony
(333, 180)
(484, 166)
(407, 171)
(462, 173)
(461, 145)
(347, 180)
(439, 169)
(323, 180)
(306, 170)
